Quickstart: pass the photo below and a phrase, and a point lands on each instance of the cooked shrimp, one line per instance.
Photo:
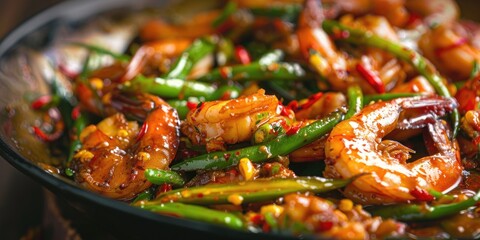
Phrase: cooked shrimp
(393, 10)
(320, 105)
(355, 146)
(449, 52)
(434, 12)
(199, 25)
(115, 152)
(218, 122)
(156, 54)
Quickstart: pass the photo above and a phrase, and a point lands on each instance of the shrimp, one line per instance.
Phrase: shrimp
(451, 53)
(218, 122)
(355, 146)
(154, 53)
(116, 152)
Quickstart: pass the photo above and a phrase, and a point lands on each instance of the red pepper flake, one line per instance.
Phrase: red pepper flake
(452, 46)
(476, 140)
(293, 105)
(257, 219)
(232, 172)
(311, 100)
(226, 156)
(293, 130)
(142, 132)
(324, 226)
(421, 194)
(266, 228)
(41, 102)
(44, 136)
(200, 195)
(414, 19)
(225, 72)
(237, 153)
(192, 105)
(372, 78)
(285, 111)
(242, 55)
(75, 113)
(340, 34)
(165, 188)
(226, 95)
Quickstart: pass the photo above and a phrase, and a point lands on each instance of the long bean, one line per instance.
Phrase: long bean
(422, 65)
(158, 176)
(193, 212)
(420, 212)
(258, 190)
(184, 64)
(267, 67)
(355, 101)
(280, 146)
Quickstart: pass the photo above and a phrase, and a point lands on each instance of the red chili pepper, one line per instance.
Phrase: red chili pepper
(293, 105)
(45, 136)
(257, 219)
(421, 194)
(456, 44)
(372, 78)
(311, 100)
(293, 130)
(324, 226)
(41, 102)
(467, 99)
(413, 19)
(142, 132)
(192, 105)
(242, 55)
(164, 188)
(76, 113)
(225, 72)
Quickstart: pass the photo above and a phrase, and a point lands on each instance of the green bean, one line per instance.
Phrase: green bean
(159, 176)
(258, 190)
(288, 12)
(355, 101)
(228, 10)
(103, 51)
(422, 65)
(146, 195)
(421, 212)
(387, 96)
(265, 68)
(184, 64)
(198, 213)
(280, 146)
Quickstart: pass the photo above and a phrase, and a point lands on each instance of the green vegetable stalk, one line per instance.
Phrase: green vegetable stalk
(250, 191)
(422, 65)
(198, 213)
(280, 146)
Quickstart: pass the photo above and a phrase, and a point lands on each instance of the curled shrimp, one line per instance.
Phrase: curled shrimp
(116, 152)
(355, 146)
(451, 53)
(218, 122)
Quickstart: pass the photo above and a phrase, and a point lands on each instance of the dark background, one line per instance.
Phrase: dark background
(21, 199)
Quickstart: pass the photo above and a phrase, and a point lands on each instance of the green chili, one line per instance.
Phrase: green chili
(280, 146)
(228, 10)
(258, 190)
(355, 101)
(288, 12)
(185, 63)
(387, 96)
(198, 213)
(420, 212)
(422, 65)
(159, 176)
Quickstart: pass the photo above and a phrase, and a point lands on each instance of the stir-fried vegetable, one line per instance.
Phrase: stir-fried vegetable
(203, 118)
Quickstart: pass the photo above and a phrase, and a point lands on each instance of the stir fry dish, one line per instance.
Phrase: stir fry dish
(327, 119)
